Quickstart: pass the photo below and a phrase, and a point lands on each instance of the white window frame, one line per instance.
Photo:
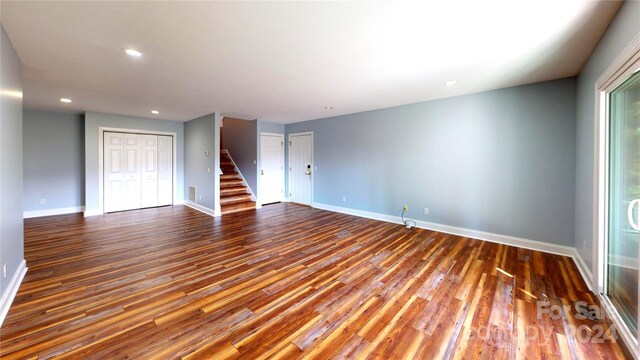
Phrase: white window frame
(625, 65)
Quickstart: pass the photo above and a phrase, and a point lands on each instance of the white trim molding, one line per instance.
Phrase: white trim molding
(51, 212)
(93, 212)
(476, 234)
(12, 290)
(202, 209)
(585, 271)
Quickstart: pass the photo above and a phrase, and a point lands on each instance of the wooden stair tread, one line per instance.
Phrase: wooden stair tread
(234, 198)
(230, 176)
(235, 207)
(233, 190)
(230, 183)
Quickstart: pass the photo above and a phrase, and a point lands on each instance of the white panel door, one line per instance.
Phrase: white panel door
(113, 172)
(272, 168)
(165, 170)
(300, 168)
(138, 171)
(132, 170)
(149, 170)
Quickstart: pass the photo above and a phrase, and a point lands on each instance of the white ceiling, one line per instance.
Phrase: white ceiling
(285, 61)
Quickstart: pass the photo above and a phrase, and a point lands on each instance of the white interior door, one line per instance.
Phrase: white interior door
(149, 170)
(301, 168)
(132, 171)
(272, 168)
(113, 171)
(165, 170)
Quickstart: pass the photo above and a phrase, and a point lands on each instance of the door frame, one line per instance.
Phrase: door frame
(284, 164)
(624, 66)
(313, 167)
(102, 130)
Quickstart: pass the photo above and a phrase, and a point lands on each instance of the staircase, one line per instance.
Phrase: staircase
(234, 195)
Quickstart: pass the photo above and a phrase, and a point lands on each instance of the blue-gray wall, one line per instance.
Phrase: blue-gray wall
(53, 160)
(93, 121)
(199, 168)
(11, 225)
(624, 28)
(240, 139)
(501, 161)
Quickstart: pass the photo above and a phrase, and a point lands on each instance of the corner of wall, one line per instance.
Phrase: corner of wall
(12, 289)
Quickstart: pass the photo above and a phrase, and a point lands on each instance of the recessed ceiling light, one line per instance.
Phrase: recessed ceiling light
(65, 100)
(133, 52)
(328, 107)
(450, 82)
(155, 112)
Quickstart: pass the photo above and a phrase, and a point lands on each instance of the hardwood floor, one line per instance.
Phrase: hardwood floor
(287, 282)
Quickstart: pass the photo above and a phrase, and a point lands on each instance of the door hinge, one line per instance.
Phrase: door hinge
(289, 143)
(289, 194)
(281, 143)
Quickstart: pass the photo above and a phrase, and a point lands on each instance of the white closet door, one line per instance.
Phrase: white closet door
(131, 171)
(113, 171)
(149, 170)
(138, 171)
(165, 170)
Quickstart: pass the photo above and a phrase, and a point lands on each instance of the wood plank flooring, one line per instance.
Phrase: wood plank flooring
(287, 282)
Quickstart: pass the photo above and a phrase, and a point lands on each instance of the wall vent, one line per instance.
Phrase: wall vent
(192, 194)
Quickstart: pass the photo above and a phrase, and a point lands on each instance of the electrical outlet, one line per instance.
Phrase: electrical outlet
(208, 169)
(200, 197)
(43, 201)
(4, 270)
(344, 198)
(405, 207)
(426, 211)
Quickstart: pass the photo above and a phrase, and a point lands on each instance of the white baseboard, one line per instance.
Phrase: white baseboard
(202, 209)
(12, 290)
(476, 234)
(93, 212)
(584, 270)
(51, 212)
